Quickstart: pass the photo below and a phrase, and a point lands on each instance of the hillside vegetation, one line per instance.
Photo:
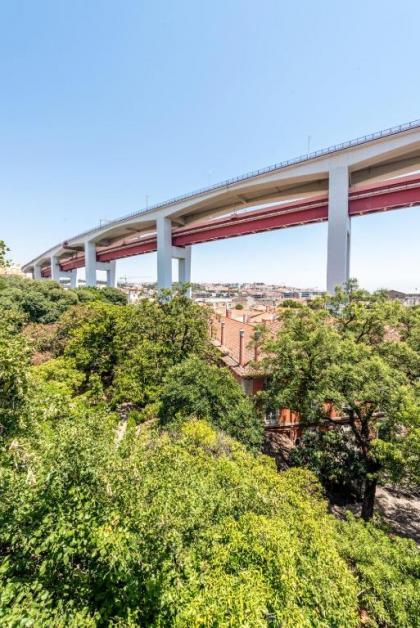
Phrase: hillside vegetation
(133, 492)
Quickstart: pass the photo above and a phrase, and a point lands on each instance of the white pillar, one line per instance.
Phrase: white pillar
(111, 275)
(338, 260)
(73, 278)
(90, 263)
(164, 253)
(55, 268)
(37, 271)
(184, 269)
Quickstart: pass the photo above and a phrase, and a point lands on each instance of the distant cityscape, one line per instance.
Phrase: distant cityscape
(264, 296)
(247, 296)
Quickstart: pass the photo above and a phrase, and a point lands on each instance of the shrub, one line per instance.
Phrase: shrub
(387, 570)
(194, 388)
(164, 530)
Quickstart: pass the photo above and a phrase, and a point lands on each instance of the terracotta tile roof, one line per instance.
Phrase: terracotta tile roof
(231, 337)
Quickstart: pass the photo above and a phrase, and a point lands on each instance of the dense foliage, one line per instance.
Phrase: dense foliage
(358, 354)
(125, 502)
(44, 301)
(3, 252)
(180, 530)
(196, 389)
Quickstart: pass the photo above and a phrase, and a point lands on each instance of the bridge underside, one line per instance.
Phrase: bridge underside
(372, 174)
(384, 196)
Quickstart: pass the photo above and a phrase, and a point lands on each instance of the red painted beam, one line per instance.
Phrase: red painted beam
(146, 245)
(246, 225)
(395, 194)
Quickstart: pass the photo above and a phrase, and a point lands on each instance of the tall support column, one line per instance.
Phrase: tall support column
(90, 263)
(184, 269)
(55, 268)
(164, 253)
(37, 271)
(111, 277)
(73, 278)
(338, 260)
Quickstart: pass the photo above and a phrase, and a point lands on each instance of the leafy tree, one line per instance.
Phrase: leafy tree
(194, 388)
(106, 294)
(151, 337)
(86, 334)
(3, 252)
(185, 529)
(291, 303)
(339, 357)
(104, 522)
(361, 316)
(387, 570)
(14, 358)
(45, 301)
(333, 456)
(41, 301)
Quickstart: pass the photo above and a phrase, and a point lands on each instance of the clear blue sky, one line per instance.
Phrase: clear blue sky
(104, 103)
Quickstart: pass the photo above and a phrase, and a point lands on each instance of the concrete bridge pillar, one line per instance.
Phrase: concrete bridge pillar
(57, 273)
(111, 275)
(55, 268)
(184, 268)
(164, 253)
(73, 278)
(37, 271)
(338, 259)
(90, 263)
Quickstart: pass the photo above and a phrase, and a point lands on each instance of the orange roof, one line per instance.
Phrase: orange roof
(231, 337)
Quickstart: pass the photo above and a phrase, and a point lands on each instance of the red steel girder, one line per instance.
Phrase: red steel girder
(392, 194)
(253, 222)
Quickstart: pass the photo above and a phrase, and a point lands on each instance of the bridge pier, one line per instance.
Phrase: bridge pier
(183, 254)
(111, 275)
(92, 265)
(55, 268)
(166, 252)
(73, 278)
(57, 273)
(37, 272)
(339, 228)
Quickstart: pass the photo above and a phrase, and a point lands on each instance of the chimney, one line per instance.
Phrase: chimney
(228, 313)
(222, 333)
(241, 347)
(244, 318)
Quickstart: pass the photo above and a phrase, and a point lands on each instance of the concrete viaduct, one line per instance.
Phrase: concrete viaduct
(374, 173)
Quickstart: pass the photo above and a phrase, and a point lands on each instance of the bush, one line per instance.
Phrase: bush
(106, 295)
(194, 388)
(45, 301)
(333, 457)
(164, 530)
(14, 359)
(387, 570)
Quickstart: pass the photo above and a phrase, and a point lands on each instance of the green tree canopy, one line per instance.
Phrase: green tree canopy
(341, 356)
(44, 301)
(194, 388)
